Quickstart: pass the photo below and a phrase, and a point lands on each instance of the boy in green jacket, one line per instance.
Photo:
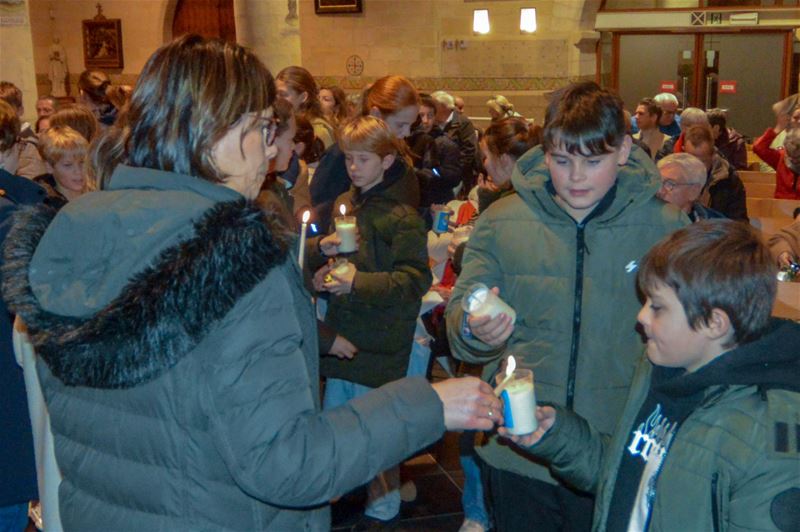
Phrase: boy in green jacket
(563, 253)
(709, 437)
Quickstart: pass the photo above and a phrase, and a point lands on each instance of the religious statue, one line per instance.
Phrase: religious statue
(58, 69)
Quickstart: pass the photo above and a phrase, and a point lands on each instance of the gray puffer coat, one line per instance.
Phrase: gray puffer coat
(179, 364)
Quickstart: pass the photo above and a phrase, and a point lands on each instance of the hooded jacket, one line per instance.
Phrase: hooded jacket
(572, 286)
(734, 463)
(379, 315)
(331, 181)
(179, 363)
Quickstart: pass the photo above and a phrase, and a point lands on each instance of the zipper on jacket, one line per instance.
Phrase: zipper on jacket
(576, 315)
(714, 502)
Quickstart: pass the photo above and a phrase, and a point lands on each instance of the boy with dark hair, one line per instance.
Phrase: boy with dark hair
(708, 438)
(563, 252)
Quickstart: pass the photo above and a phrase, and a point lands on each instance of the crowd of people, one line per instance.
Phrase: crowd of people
(225, 291)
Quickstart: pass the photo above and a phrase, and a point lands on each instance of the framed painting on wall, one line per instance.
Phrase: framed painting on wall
(324, 7)
(102, 43)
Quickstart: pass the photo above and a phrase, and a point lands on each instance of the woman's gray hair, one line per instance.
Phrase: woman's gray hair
(691, 168)
(665, 97)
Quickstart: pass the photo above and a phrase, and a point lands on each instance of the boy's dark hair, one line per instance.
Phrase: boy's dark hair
(717, 117)
(426, 100)
(584, 119)
(711, 264)
(652, 107)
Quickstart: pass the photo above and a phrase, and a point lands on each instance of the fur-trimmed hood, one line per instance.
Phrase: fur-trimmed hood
(162, 312)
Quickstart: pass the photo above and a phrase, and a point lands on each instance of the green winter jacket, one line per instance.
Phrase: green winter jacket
(380, 313)
(573, 288)
(179, 363)
(734, 463)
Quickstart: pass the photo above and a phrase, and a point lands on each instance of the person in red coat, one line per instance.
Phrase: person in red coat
(786, 162)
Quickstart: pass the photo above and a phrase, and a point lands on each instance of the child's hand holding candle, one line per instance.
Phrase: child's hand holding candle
(339, 280)
(490, 318)
(515, 388)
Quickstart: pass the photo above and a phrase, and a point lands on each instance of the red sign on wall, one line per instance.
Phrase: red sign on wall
(727, 87)
(668, 86)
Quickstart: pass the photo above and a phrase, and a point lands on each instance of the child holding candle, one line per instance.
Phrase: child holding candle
(563, 252)
(374, 301)
(394, 100)
(707, 439)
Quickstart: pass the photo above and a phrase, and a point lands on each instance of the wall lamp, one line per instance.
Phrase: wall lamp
(480, 21)
(527, 20)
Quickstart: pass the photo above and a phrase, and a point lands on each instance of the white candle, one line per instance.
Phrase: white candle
(302, 251)
(519, 402)
(346, 231)
(480, 301)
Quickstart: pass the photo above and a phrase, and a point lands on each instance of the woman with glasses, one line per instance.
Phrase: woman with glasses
(177, 345)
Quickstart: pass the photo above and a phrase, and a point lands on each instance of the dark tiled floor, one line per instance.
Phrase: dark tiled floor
(438, 479)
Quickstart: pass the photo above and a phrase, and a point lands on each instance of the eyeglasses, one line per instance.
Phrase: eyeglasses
(671, 185)
(269, 132)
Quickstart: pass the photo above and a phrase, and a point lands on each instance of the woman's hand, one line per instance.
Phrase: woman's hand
(491, 331)
(340, 280)
(329, 245)
(545, 415)
(469, 404)
(342, 348)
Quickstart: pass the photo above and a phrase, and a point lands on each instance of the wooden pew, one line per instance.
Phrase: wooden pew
(760, 190)
(771, 208)
(787, 304)
(749, 176)
(769, 226)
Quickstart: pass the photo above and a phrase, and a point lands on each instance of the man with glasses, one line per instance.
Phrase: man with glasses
(682, 179)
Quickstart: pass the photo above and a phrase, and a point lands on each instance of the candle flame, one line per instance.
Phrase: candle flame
(342, 209)
(511, 365)
(306, 216)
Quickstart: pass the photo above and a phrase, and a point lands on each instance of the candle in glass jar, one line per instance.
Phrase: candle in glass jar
(346, 231)
(480, 301)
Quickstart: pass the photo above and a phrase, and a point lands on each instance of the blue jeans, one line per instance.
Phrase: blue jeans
(383, 492)
(472, 499)
(14, 518)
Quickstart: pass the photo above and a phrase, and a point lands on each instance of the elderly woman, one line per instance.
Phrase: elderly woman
(178, 353)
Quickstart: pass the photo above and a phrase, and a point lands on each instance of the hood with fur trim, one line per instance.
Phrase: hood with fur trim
(162, 312)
